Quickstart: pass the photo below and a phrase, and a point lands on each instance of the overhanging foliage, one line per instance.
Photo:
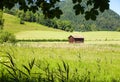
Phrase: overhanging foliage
(51, 10)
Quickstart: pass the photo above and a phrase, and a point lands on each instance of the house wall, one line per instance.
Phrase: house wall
(79, 40)
(71, 40)
(76, 40)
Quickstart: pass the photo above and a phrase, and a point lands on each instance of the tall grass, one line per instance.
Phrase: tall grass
(62, 73)
(88, 63)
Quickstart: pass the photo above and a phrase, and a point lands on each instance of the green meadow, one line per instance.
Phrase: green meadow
(33, 31)
(12, 24)
(95, 60)
(89, 36)
(67, 62)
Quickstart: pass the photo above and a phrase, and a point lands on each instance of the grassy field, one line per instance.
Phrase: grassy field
(98, 37)
(96, 60)
(12, 24)
(101, 61)
(95, 36)
(33, 31)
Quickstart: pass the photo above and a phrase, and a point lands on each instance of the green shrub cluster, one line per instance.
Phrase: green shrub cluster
(7, 37)
(1, 20)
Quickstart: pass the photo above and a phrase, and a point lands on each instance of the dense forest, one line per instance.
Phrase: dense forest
(108, 20)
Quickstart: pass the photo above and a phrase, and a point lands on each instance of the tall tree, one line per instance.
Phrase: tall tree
(51, 10)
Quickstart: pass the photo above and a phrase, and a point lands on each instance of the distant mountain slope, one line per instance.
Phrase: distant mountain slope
(12, 24)
(108, 20)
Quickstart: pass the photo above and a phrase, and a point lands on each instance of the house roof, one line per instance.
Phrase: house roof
(76, 36)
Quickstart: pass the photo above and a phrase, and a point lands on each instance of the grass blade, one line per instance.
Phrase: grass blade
(28, 70)
(31, 64)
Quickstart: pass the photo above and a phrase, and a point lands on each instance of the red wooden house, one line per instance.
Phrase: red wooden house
(76, 39)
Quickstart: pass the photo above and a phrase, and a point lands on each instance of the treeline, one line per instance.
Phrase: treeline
(38, 17)
(107, 21)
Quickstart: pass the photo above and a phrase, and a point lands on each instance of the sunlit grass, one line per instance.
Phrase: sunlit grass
(42, 35)
(102, 35)
(12, 24)
(97, 59)
(33, 31)
(89, 36)
(100, 60)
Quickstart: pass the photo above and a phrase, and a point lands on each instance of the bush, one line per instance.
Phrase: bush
(7, 37)
(22, 21)
(118, 29)
(1, 23)
(1, 20)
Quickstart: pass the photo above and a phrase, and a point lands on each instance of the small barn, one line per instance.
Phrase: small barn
(76, 39)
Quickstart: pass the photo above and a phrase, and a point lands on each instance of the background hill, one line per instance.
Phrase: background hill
(109, 20)
(12, 24)
(30, 31)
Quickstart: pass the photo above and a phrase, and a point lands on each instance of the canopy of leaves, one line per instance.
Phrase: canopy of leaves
(51, 10)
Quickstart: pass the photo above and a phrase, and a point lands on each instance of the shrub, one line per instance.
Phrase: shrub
(1, 20)
(7, 37)
(22, 21)
(118, 29)
(1, 23)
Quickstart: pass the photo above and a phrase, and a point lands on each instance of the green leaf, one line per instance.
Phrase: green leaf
(31, 64)
(74, 1)
(64, 64)
(96, 12)
(28, 70)
(14, 76)
(89, 2)
(77, 12)
(87, 15)
(79, 1)
(22, 72)
(93, 17)
(11, 59)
